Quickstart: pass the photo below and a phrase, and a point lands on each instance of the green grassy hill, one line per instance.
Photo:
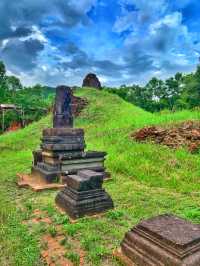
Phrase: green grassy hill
(147, 180)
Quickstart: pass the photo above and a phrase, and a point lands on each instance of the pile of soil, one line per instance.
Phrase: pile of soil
(78, 104)
(186, 134)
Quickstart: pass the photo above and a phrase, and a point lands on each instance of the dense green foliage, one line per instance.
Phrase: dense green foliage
(176, 93)
(34, 101)
(147, 180)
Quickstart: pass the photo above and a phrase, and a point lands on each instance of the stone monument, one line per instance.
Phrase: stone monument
(63, 147)
(165, 240)
(91, 80)
(62, 114)
(84, 195)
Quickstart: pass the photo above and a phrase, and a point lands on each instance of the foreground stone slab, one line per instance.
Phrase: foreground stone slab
(165, 240)
(84, 195)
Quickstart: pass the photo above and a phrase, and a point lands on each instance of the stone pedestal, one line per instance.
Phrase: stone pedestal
(62, 149)
(62, 153)
(165, 240)
(84, 195)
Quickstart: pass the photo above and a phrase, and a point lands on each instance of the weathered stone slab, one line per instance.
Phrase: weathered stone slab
(84, 195)
(165, 240)
(86, 155)
(80, 166)
(82, 161)
(63, 154)
(74, 170)
(63, 147)
(64, 132)
(63, 140)
(85, 180)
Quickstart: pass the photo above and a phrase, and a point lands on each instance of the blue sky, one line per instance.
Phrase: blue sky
(123, 41)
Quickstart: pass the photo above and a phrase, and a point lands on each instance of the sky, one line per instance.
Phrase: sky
(56, 42)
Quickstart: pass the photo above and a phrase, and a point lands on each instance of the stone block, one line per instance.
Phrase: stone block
(85, 180)
(78, 204)
(63, 147)
(165, 240)
(84, 195)
(64, 132)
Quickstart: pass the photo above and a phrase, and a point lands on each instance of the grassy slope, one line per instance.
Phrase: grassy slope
(147, 180)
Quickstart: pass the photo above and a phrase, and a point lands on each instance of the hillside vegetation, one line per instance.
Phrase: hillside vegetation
(175, 93)
(147, 180)
(33, 102)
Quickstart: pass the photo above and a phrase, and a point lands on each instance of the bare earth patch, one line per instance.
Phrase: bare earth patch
(56, 245)
(36, 183)
(186, 134)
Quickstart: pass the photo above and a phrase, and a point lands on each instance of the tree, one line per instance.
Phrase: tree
(13, 84)
(2, 71)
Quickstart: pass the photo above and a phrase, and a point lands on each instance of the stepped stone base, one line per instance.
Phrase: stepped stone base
(165, 240)
(84, 195)
(62, 153)
(79, 204)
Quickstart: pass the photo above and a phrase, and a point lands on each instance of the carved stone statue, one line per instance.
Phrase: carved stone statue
(62, 113)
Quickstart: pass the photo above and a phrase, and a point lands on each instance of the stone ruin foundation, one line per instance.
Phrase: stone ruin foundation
(91, 80)
(165, 240)
(84, 195)
(62, 150)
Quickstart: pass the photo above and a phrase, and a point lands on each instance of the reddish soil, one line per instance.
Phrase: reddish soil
(53, 252)
(186, 134)
(78, 104)
(14, 126)
(36, 183)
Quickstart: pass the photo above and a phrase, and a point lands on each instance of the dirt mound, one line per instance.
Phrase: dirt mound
(186, 134)
(78, 104)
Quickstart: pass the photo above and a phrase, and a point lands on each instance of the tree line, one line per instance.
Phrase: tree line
(175, 93)
(34, 101)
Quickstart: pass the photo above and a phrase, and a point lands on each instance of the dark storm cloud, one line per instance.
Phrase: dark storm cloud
(108, 67)
(165, 36)
(17, 33)
(137, 60)
(36, 12)
(80, 59)
(26, 17)
(21, 55)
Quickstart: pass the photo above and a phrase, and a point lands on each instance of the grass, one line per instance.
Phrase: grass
(147, 180)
